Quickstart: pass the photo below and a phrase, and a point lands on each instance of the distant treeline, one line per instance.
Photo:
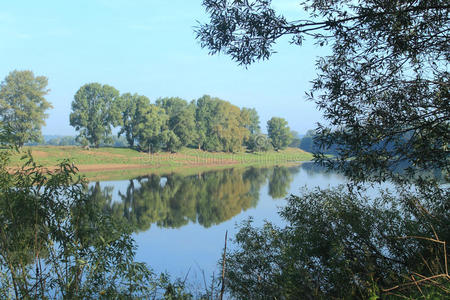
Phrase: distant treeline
(208, 123)
(69, 140)
(308, 144)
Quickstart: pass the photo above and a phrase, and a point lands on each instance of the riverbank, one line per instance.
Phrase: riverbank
(122, 163)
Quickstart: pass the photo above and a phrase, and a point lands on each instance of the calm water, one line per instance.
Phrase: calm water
(180, 221)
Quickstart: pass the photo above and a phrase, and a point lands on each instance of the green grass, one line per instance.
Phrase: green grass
(128, 163)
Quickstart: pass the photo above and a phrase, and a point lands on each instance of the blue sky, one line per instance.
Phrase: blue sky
(149, 47)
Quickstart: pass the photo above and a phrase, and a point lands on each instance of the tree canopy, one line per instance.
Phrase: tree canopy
(219, 125)
(384, 95)
(385, 84)
(181, 121)
(152, 133)
(132, 117)
(22, 107)
(250, 120)
(95, 111)
(279, 133)
(340, 245)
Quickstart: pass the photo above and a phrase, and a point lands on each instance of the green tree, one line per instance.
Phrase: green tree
(22, 107)
(56, 241)
(340, 245)
(384, 96)
(152, 131)
(133, 107)
(204, 117)
(387, 74)
(181, 122)
(250, 120)
(219, 125)
(258, 143)
(95, 111)
(229, 127)
(279, 133)
(295, 143)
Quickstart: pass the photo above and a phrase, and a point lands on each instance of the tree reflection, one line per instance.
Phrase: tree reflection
(280, 180)
(208, 198)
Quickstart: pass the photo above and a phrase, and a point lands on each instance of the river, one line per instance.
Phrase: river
(179, 222)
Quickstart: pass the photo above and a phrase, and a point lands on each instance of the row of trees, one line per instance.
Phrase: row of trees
(208, 123)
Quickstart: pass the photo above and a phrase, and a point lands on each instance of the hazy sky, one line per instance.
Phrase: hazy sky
(148, 47)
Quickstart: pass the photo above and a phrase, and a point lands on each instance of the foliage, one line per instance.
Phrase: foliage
(310, 144)
(209, 123)
(340, 238)
(219, 125)
(56, 242)
(119, 142)
(384, 89)
(307, 142)
(62, 141)
(133, 107)
(250, 120)
(384, 95)
(181, 122)
(258, 143)
(295, 139)
(279, 133)
(60, 239)
(152, 131)
(22, 107)
(95, 110)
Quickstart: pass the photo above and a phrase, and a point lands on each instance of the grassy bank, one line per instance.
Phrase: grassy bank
(122, 163)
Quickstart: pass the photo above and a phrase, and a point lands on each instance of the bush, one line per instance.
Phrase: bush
(342, 244)
(57, 242)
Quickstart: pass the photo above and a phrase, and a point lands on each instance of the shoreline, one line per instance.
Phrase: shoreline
(123, 163)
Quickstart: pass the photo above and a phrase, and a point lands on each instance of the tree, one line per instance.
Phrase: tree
(295, 143)
(133, 107)
(181, 122)
(384, 93)
(279, 133)
(340, 245)
(52, 232)
(229, 127)
(95, 110)
(250, 120)
(385, 84)
(22, 107)
(309, 143)
(152, 132)
(219, 125)
(204, 116)
(258, 143)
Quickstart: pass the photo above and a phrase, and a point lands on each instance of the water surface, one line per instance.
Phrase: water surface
(180, 221)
